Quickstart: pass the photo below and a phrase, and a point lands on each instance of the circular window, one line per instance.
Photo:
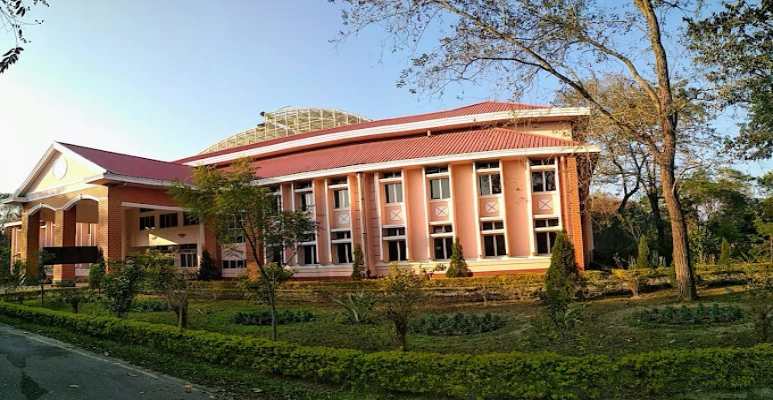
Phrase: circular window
(60, 168)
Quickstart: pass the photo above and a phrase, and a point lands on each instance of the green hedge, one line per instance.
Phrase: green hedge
(512, 375)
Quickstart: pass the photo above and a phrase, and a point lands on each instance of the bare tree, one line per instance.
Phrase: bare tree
(13, 20)
(519, 42)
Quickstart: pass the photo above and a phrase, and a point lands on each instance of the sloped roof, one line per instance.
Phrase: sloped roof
(404, 148)
(133, 166)
(479, 108)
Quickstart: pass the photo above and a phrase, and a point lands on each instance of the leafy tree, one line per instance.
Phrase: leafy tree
(560, 286)
(724, 256)
(733, 47)
(517, 43)
(44, 258)
(358, 263)
(229, 203)
(164, 279)
(457, 267)
(643, 258)
(12, 15)
(402, 296)
(97, 273)
(207, 268)
(122, 284)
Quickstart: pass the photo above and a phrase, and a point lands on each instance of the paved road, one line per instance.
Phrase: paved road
(34, 367)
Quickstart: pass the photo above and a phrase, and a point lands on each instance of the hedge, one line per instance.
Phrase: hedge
(511, 375)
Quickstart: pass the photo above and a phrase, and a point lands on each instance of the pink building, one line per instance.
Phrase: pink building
(502, 177)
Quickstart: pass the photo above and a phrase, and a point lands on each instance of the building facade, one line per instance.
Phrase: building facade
(504, 178)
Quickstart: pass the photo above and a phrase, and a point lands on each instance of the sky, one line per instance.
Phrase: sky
(166, 79)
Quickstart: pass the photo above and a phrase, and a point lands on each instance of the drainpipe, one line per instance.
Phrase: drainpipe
(361, 200)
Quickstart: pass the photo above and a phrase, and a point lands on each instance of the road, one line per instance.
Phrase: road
(34, 367)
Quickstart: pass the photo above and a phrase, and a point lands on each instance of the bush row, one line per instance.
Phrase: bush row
(264, 317)
(512, 375)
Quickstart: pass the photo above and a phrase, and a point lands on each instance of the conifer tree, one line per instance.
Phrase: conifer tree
(561, 278)
(457, 266)
(207, 269)
(643, 258)
(357, 264)
(724, 255)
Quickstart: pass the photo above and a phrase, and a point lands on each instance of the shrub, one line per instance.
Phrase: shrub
(149, 306)
(72, 297)
(357, 263)
(643, 256)
(699, 315)
(634, 279)
(97, 273)
(457, 266)
(207, 268)
(122, 285)
(358, 307)
(263, 318)
(724, 255)
(402, 296)
(456, 325)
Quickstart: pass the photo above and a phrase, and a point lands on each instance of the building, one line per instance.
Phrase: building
(502, 177)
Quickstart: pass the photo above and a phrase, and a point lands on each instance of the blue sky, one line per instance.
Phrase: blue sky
(166, 79)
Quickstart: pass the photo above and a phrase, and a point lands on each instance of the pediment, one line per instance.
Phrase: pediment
(58, 169)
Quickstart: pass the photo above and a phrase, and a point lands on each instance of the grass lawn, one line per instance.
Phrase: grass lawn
(609, 327)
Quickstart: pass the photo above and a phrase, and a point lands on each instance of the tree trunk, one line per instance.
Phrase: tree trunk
(654, 199)
(272, 305)
(681, 253)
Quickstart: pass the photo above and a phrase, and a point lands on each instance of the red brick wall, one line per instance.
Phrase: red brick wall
(572, 217)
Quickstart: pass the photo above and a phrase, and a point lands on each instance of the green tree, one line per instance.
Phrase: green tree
(517, 43)
(403, 295)
(13, 15)
(457, 266)
(358, 264)
(164, 278)
(643, 257)
(122, 284)
(560, 286)
(207, 268)
(228, 202)
(97, 273)
(724, 255)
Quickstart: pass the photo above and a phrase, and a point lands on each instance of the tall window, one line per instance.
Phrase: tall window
(307, 250)
(342, 246)
(277, 204)
(490, 184)
(439, 188)
(442, 241)
(188, 256)
(396, 244)
(543, 181)
(393, 193)
(493, 239)
(341, 199)
(168, 220)
(546, 231)
(306, 202)
(147, 222)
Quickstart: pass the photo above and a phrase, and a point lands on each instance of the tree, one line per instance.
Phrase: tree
(12, 19)
(457, 267)
(164, 279)
(724, 255)
(733, 48)
(516, 42)
(643, 258)
(357, 264)
(402, 296)
(230, 203)
(207, 269)
(122, 284)
(560, 286)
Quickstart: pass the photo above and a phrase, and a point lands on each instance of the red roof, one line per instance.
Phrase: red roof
(404, 148)
(138, 167)
(479, 108)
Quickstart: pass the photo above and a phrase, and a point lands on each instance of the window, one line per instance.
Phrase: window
(487, 164)
(341, 199)
(148, 222)
(306, 202)
(277, 204)
(274, 254)
(302, 185)
(494, 245)
(492, 226)
(439, 189)
(188, 256)
(236, 227)
(233, 264)
(397, 250)
(438, 229)
(308, 238)
(342, 235)
(393, 193)
(189, 219)
(343, 252)
(392, 174)
(307, 254)
(443, 247)
(543, 181)
(546, 223)
(338, 181)
(436, 170)
(549, 161)
(167, 220)
(490, 184)
(545, 242)
(394, 232)
(146, 210)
